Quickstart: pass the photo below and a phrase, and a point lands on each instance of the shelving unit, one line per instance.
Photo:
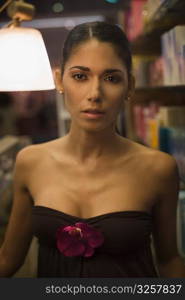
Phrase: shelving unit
(160, 93)
(169, 14)
(8, 149)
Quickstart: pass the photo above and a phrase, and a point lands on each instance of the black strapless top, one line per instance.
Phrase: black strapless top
(126, 251)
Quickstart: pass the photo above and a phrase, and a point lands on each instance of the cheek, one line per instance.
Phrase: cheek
(70, 98)
(116, 91)
(69, 105)
(117, 98)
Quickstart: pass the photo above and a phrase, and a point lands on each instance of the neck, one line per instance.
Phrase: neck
(90, 146)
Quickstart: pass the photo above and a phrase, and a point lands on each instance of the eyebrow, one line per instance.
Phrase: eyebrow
(87, 69)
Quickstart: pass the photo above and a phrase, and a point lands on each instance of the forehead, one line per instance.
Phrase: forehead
(94, 52)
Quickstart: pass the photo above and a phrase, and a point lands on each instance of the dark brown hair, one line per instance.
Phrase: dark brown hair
(103, 32)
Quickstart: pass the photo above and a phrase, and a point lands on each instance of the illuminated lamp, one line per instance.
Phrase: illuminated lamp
(24, 62)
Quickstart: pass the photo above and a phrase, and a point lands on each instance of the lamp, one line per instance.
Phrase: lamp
(24, 63)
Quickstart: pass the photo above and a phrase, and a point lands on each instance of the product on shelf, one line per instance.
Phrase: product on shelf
(173, 45)
(135, 19)
(148, 71)
(163, 128)
(141, 68)
(156, 72)
(172, 116)
(146, 126)
(160, 76)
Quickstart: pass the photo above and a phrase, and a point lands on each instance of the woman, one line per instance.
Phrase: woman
(93, 198)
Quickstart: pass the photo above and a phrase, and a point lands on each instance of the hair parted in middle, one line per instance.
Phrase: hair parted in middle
(103, 32)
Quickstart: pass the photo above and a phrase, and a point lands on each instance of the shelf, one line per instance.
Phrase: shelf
(169, 14)
(166, 95)
(171, 88)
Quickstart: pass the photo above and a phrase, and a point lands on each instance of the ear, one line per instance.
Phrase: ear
(131, 87)
(58, 80)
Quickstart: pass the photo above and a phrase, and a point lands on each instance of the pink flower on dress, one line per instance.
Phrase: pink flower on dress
(78, 239)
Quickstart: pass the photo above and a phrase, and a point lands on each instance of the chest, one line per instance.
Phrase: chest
(90, 191)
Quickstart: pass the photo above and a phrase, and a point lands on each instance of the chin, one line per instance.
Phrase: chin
(96, 128)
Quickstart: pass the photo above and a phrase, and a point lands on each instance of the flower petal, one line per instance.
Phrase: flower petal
(79, 239)
(93, 236)
(96, 240)
(64, 241)
(85, 228)
(69, 228)
(75, 249)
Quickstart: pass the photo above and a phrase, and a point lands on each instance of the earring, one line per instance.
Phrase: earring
(61, 91)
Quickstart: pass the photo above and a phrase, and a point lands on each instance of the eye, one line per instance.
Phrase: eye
(113, 78)
(79, 76)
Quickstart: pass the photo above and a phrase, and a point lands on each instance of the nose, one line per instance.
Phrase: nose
(94, 93)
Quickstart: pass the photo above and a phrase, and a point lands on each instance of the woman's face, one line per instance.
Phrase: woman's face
(95, 84)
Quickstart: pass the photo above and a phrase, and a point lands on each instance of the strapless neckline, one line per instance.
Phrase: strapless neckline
(108, 214)
(125, 252)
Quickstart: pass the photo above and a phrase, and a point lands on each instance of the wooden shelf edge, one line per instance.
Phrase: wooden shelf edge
(172, 88)
(168, 15)
(166, 95)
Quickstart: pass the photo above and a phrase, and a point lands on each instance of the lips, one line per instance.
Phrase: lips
(93, 111)
(93, 114)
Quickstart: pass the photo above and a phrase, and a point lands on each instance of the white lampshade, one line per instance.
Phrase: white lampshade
(24, 63)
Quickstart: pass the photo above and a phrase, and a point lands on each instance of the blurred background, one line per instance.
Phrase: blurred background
(34, 114)
(154, 117)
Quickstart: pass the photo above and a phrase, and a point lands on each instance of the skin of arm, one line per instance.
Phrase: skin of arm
(19, 231)
(169, 263)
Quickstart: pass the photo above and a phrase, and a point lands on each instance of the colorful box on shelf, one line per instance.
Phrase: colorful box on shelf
(146, 124)
(135, 19)
(162, 128)
(172, 141)
(148, 71)
(172, 116)
(173, 52)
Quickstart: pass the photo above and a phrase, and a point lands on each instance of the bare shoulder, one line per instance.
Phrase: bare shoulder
(27, 155)
(160, 166)
(160, 162)
(33, 153)
(165, 165)
(23, 164)
(167, 176)
(157, 164)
